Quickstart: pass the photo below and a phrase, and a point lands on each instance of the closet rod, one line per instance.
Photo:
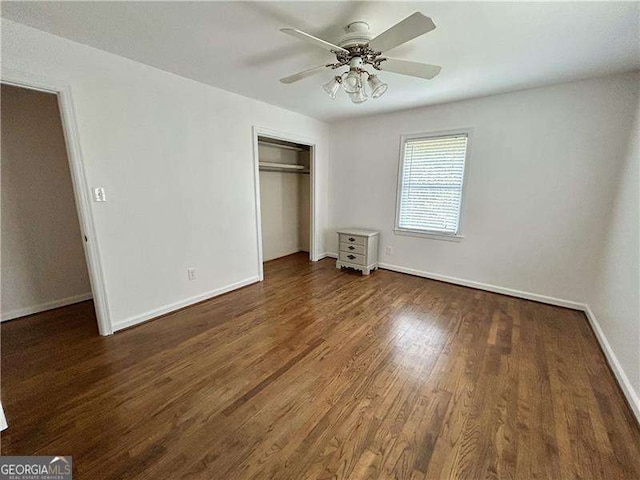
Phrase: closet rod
(286, 147)
(284, 166)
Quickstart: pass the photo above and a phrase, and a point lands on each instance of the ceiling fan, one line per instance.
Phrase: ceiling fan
(357, 49)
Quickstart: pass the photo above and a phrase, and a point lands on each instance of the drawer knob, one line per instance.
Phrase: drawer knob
(351, 239)
(351, 247)
(351, 256)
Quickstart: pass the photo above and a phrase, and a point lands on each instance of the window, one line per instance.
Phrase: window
(430, 184)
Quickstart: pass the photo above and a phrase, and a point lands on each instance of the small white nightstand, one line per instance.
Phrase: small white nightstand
(358, 249)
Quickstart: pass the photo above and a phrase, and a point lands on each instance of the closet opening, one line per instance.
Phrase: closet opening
(45, 275)
(285, 184)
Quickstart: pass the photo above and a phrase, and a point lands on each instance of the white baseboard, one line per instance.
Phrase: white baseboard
(327, 255)
(479, 285)
(41, 307)
(286, 253)
(130, 322)
(486, 286)
(623, 380)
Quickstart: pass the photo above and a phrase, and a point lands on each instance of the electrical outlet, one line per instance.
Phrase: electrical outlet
(191, 273)
(388, 250)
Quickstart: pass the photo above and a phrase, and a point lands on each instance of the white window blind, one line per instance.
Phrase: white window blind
(431, 184)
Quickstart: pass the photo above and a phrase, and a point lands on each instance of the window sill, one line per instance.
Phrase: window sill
(430, 235)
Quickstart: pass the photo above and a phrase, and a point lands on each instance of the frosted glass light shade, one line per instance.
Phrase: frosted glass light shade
(377, 86)
(359, 96)
(332, 87)
(352, 82)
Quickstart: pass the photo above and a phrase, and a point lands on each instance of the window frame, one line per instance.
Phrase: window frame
(432, 234)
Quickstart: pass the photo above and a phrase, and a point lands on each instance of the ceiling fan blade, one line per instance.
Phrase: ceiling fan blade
(311, 39)
(413, 69)
(411, 27)
(304, 74)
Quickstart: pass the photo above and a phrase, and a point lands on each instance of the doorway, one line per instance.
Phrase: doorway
(284, 195)
(43, 259)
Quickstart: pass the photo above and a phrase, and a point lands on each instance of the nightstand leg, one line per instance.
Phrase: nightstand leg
(365, 271)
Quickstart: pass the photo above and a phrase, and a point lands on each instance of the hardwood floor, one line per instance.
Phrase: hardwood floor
(322, 374)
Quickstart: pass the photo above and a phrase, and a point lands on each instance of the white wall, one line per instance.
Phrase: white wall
(541, 172)
(615, 294)
(43, 264)
(176, 159)
(284, 205)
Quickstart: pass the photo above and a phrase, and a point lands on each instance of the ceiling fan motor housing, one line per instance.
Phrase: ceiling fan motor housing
(357, 35)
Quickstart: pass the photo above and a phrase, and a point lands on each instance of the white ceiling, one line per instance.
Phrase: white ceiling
(483, 48)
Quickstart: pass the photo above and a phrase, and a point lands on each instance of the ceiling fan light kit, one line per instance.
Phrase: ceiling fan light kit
(352, 81)
(332, 87)
(357, 50)
(376, 86)
(359, 96)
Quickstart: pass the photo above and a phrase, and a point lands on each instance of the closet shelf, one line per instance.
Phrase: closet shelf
(282, 167)
(278, 145)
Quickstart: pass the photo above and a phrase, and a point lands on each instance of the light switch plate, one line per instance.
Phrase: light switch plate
(99, 194)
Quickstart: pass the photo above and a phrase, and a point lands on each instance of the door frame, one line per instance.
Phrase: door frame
(287, 137)
(78, 181)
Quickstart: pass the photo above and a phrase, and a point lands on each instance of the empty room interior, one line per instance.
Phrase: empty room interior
(320, 240)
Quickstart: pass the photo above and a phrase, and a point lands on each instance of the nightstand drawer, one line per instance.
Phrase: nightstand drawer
(352, 239)
(352, 258)
(347, 247)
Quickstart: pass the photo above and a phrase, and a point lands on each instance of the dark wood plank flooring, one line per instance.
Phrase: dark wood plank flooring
(322, 374)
